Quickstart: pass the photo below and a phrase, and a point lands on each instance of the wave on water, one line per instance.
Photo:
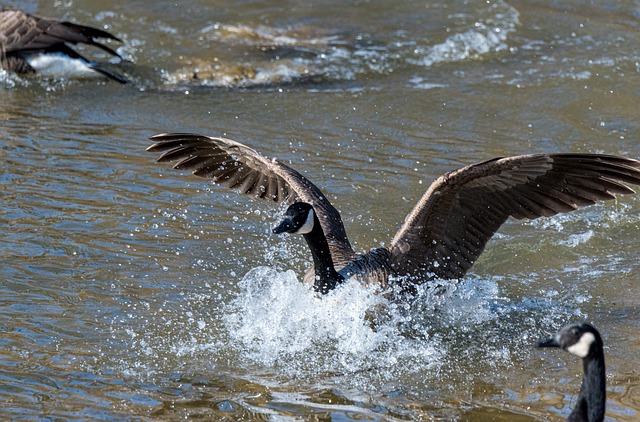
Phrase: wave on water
(280, 56)
(307, 54)
(488, 34)
(271, 56)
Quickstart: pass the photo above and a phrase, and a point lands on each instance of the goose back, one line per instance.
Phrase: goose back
(371, 268)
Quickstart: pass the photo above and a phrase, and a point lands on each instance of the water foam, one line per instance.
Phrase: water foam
(357, 335)
(489, 34)
(307, 54)
(271, 326)
(276, 320)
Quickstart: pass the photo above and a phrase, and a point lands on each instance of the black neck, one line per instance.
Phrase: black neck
(327, 278)
(592, 398)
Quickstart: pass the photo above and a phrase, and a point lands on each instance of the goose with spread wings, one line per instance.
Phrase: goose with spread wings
(34, 44)
(444, 233)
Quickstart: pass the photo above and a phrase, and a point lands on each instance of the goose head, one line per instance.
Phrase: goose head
(581, 340)
(584, 341)
(298, 219)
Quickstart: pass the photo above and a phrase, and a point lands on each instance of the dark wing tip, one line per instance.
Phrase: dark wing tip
(486, 194)
(229, 163)
(176, 135)
(165, 141)
(107, 49)
(90, 31)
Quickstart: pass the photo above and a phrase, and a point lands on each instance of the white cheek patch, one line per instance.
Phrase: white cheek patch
(307, 227)
(581, 348)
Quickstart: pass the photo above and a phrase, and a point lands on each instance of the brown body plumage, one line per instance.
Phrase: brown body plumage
(23, 34)
(449, 226)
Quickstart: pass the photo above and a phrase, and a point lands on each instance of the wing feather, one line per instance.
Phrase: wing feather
(22, 34)
(236, 166)
(449, 227)
(21, 31)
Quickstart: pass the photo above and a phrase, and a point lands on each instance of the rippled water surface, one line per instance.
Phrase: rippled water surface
(131, 291)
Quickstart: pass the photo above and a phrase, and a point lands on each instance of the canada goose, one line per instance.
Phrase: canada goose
(30, 44)
(444, 233)
(584, 341)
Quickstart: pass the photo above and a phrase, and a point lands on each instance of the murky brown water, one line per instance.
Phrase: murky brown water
(131, 291)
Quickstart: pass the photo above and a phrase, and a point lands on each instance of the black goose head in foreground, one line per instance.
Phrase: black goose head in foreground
(584, 341)
(444, 233)
(33, 44)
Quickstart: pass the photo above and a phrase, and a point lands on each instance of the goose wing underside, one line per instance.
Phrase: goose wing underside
(20, 31)
(238, 167)
(449, 227)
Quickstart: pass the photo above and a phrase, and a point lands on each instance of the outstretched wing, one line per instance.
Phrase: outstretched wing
(236, 166)
(449, 227)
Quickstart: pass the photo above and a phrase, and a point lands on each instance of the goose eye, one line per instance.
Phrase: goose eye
(575, 331)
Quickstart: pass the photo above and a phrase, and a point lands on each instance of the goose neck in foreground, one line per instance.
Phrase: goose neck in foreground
(327, 278)
(592, 398)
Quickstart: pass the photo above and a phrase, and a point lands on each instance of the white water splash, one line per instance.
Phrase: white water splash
(577, 239)
(276, 320)
(8, 79)
(275, 329)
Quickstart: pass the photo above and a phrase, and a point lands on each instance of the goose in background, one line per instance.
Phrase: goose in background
(584, 341)
(444, 233)
(33, 44)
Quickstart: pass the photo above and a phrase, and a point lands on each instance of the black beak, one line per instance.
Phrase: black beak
(285, 226)
(550, 342)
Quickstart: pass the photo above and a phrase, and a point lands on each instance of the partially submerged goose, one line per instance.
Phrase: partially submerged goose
(32, 44)
(584, 341)
(444, 233)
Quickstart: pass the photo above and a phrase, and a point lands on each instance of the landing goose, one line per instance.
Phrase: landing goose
(33, 44)
(584, 341)
(444, 233)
